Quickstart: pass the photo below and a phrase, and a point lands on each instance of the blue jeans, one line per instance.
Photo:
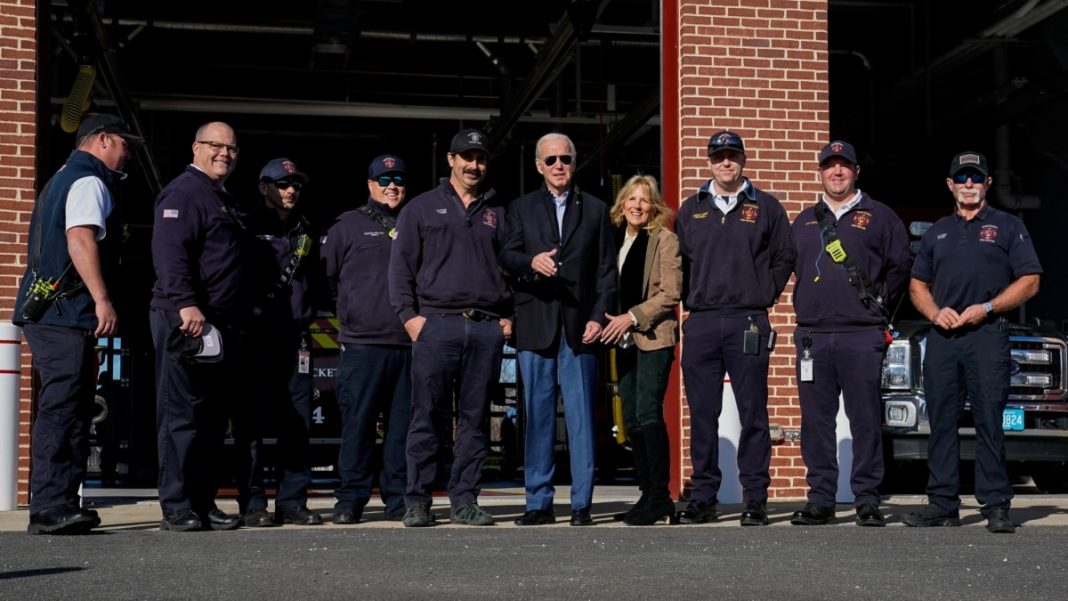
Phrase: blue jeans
(574, 375)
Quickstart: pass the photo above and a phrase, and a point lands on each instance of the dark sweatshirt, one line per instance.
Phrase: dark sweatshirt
(736, 263)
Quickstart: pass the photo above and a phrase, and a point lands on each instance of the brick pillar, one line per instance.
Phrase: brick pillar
(758, 67)
(18, 149)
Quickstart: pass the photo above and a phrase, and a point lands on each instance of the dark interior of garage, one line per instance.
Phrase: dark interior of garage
(332, 83)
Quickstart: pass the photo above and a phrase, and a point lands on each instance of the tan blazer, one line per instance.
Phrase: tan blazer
(658, 325)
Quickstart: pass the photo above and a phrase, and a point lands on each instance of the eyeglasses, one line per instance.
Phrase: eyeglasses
(977, 178)
(551, 160)
(385, 179)
(282, 184)
(219, 146)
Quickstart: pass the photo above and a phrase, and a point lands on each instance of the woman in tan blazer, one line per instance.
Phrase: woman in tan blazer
(646, 330)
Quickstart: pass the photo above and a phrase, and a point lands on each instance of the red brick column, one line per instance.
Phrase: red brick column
(18, 149)
(758, 67)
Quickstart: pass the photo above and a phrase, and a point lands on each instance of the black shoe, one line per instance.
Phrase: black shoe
(301, 516)
(395, 513)
(471, 514)
(932, 515)
(218, 519)
(536, 517)
(63, 520)
(258, 518)
(869, 515)
(998, 521)
(183, 520)
(698, 512)
(813, 515)
(755, 514)
(654, 512)
(581, 517)
(347, 515)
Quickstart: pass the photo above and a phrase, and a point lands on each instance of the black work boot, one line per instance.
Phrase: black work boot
(641, 472)
(659, 507)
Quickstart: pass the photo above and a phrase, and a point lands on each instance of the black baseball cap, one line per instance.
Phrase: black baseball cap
(725, 139)
(111, 124)
(969, 160)
(838, 148)
(468, 139)
(281, 168)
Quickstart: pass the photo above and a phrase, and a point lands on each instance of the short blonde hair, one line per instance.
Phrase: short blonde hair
(662, 212)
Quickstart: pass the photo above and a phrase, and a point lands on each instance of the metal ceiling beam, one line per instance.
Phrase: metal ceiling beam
(551, 60)
(641, 116)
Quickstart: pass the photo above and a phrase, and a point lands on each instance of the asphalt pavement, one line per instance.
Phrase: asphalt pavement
(130, 558)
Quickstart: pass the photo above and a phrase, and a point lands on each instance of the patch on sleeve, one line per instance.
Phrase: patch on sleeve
(170, 213)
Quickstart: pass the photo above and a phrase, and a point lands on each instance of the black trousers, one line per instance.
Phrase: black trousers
(65, 360)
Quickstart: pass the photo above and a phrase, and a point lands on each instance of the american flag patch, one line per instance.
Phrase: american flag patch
(170, 213)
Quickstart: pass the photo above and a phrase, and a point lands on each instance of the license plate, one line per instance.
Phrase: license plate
(1012, 419)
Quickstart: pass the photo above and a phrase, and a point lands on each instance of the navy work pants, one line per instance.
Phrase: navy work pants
(453, 355)
(59, 444)
(847, 364)
(983, 355)
(713, 349)
(373, 380)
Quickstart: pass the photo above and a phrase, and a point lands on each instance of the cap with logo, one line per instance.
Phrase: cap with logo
(968, 160)
(725, 140)
(468, 139)
(838, 148)
(385, 164)
(112, 124)
(279, 169)
(207, 348)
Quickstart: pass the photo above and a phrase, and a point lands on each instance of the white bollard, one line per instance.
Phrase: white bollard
(845, 455)
(730, 431)
(10, 375)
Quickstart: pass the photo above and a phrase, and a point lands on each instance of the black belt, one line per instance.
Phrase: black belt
(477, 315)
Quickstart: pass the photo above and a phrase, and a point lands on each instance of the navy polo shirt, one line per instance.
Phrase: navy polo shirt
(970, 262)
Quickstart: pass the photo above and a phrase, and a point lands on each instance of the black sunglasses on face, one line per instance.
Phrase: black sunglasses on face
(551, 160)
(385, 179)
(282, 184)
(977, 178)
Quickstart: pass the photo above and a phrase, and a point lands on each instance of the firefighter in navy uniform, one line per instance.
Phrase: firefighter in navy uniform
(972, 267)
(447, 287)
(63, 305)
(736, 257)
(376, 353)
(277, 362)
(852, 264)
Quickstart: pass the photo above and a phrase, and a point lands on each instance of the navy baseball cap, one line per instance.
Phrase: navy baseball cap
(838, 148)
(725, 139)
(468, 139)
(111, 124)
(384, 164)
(969, 160)
(279, 169)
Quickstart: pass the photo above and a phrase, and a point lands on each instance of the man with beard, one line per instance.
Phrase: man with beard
(447, 287)
(972, 268)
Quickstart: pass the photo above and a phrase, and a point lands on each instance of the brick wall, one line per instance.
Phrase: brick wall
(18, 149)
(758, 67)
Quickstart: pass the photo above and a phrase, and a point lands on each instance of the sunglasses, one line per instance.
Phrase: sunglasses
(282, 184)
(977, 178)
(384, 180)
(551, 160)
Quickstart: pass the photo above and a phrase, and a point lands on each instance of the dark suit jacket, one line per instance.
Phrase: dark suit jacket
(584, 287)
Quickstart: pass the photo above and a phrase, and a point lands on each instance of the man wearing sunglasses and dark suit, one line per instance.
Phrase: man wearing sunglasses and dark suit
(376, 353)
(562, 259)
(972, 267)
(277, 362)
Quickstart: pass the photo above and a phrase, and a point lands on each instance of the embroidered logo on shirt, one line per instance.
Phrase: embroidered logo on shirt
(988, 233)
(442, 211)
(940, 236)
(750, 213)
(861, 220)
(170, 213)
(489, 218)
(375, 233)
(700, 215)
